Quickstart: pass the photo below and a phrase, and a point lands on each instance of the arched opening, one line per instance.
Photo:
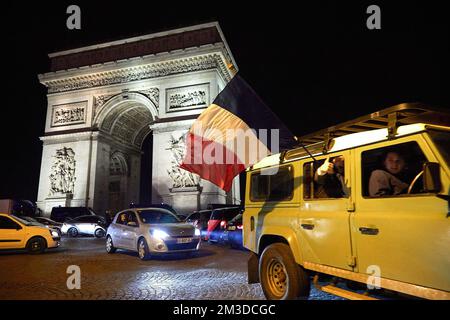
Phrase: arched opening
(124, 123)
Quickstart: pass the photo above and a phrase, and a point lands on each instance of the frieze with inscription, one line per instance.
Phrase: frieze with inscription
(190, 97)
(69, 114)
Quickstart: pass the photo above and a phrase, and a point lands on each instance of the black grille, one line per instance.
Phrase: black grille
(173, 245)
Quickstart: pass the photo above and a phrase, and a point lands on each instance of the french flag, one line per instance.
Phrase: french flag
(236, 131)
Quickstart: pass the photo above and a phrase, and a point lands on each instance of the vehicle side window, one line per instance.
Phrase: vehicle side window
(132, 218)
(276, 187)
(122, 218)
(325, 179)
(7, 223)
(194, 216)
(392, 171)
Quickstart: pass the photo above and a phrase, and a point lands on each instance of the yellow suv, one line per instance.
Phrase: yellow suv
(361, 205)
(17, 233)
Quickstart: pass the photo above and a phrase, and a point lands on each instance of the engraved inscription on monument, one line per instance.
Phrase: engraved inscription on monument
(69, 114)
(185, 98)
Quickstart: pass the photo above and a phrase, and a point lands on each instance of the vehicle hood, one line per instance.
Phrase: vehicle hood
(175, 229)
(38, 228)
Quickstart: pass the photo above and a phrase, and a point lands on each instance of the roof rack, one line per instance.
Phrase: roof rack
(391, 118)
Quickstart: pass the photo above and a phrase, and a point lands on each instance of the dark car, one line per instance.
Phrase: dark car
(50, 223)
(218, 221)
(233, 233)
(62, 214)
(25, 208)
(39, 221)
(199, 219)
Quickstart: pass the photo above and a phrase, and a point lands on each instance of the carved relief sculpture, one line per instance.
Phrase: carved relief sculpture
(185, 98)
(180, 177)
(74, 113)
(62, 176)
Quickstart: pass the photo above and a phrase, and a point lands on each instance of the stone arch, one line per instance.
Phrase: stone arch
(126, 117)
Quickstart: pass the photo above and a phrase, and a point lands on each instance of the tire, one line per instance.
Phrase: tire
(72, 232)
(281, 277)
(143, 252)
(109, 245)
(99, 233)
(36, 245)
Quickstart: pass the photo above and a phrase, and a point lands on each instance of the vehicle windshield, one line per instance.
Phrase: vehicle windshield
(28, 222)
(442, 141)
(155, 216)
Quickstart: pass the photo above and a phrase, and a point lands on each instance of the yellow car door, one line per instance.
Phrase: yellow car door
(324, 221)
(11, 233)
(406, 236)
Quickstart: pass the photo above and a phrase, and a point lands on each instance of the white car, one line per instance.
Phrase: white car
(151, 231)
(87, 225)
(16, 233)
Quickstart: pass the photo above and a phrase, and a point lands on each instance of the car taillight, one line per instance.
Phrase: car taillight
(240, 227)
(223, 223)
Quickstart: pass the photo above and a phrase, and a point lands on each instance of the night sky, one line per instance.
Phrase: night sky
(314, 64)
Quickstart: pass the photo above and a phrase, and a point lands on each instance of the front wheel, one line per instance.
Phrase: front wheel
(281, 277)
(36, 245)
(109, 245)
(73, 232)
(143, 252)
(99, 233)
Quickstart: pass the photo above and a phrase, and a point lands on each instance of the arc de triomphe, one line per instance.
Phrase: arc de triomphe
(103, 103)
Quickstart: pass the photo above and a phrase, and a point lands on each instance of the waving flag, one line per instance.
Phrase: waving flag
(236, 131)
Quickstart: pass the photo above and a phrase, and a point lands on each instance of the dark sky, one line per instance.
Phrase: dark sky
(314, 64)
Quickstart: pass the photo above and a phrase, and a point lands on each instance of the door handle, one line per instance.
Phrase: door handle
(307, 226)
(369, 231)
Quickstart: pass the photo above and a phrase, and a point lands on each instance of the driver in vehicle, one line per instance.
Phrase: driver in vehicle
(123, 219)
(389, 181)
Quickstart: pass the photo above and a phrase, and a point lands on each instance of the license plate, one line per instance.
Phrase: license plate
(232, 228)
(184, 240)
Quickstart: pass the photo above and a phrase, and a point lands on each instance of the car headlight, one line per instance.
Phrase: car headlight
(160, 234)
(54, 233)
(197, 232)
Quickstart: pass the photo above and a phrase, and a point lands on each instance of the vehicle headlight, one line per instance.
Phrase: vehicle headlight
(197, 232)
(54, 233)
(160, 234)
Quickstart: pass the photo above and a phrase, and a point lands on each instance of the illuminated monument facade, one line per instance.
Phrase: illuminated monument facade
(103, 103)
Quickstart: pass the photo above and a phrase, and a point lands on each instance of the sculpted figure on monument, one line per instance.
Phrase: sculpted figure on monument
(62, 176)
(180, 177)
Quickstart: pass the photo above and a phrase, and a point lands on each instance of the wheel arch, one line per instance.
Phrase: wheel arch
(280, 235)
(37, 236)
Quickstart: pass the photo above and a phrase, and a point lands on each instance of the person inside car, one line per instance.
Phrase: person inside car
(330, 179)
(123, 219)
(389, 180)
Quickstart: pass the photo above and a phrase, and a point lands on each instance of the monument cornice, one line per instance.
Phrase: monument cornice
(90, 77)
(61, 137)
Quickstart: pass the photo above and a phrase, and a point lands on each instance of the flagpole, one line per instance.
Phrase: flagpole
(304, 148)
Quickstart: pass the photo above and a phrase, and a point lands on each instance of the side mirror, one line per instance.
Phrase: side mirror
(431, 177)
(132, 224)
